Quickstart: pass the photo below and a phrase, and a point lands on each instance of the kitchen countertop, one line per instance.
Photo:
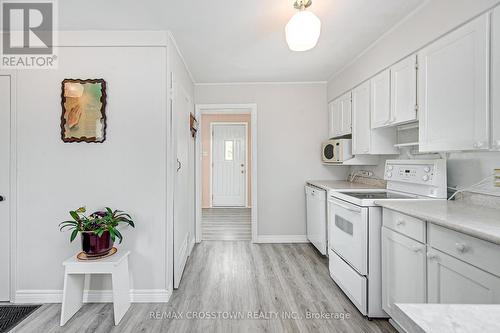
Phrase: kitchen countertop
(448, 318)
(475, 220)
(341, 185)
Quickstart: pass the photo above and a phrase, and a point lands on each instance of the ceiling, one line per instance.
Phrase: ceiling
(241, 40)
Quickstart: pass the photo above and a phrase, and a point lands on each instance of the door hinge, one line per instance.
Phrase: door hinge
(416, 65)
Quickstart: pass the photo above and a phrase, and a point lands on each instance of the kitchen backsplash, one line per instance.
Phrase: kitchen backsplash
(464, 169)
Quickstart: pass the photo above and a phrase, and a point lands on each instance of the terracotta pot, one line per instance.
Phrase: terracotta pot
(94, 245)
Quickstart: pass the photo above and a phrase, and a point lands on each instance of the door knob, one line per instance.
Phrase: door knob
(242, 165)
(2, 198)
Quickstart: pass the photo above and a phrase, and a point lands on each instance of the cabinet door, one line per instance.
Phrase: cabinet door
(404, 91)
(361, 130)
(453, 90)
(403, 270)
(495, 62)
(345, 101)
(452, 281)
(381, 99)
(335, 119)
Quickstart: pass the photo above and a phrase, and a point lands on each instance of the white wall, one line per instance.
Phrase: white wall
(429, 22)
(290, 129)
(127, 171)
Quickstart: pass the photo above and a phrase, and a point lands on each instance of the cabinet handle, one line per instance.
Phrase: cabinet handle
(462, 248)
(417, 248)
(400, 222)
(479, 144)
(346, 207)
(432, 256)
(496, 144)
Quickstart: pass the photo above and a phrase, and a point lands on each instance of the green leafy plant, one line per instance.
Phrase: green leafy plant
(97, 222)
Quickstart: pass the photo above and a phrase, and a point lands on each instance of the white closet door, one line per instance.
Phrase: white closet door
(495, 89)
(453, 89)
(183, 197)
(229, 165)
(4, 187)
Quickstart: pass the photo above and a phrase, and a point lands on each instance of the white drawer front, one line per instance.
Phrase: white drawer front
(473, 250)
(353, 284)
(404, 224)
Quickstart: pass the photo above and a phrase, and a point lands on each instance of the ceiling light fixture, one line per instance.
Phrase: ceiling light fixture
(303, 30)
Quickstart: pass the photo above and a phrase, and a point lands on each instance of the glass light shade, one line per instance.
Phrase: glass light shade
(302, 31)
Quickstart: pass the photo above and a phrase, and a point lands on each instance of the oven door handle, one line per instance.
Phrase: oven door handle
(356, 210)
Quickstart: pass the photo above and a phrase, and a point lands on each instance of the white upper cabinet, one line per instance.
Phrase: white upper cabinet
(334, 119)
(404, 91)
(361, 130)
(339, 116)
(365, 139)
(453, 99)
(345, 102)
(381, 99)
(495, 89)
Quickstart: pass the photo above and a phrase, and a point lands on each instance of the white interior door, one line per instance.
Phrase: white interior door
(4, 186)
(229, 165)
(184, 187)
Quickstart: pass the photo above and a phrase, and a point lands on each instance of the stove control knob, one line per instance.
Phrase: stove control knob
(425, 178)
(427, 169)
(389, 174)
(390, 167)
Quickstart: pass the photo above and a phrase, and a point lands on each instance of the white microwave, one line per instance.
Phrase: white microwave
(336, 150)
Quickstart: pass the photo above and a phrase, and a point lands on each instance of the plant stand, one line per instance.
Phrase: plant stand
(74, 281)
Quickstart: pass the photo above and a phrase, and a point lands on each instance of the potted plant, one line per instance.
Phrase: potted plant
(98, 230)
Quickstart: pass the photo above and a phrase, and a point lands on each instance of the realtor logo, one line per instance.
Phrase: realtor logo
(28, 34)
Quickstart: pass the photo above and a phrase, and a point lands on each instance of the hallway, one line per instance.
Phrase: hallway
(229, 224)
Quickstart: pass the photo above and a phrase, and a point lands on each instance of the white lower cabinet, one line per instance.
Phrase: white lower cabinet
(403, 270)
(452, 281)
(450, 268)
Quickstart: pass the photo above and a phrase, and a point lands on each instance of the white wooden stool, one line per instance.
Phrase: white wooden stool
(74, 281)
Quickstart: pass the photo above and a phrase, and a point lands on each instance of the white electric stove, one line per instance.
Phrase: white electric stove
(355, 222)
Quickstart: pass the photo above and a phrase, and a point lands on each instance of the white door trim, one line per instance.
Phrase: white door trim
(228, 109)
(211, 158)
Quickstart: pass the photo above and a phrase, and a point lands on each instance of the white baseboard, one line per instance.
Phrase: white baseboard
(282, 239)
(92, 296)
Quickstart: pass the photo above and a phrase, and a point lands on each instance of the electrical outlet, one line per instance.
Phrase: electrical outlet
(496, 179)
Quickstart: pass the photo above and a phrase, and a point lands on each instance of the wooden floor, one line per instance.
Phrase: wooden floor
(226, 224)
(231, 276)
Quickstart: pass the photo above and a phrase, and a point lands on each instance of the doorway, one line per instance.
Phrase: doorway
(226, 177)
(5, 198)
(229, 162)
